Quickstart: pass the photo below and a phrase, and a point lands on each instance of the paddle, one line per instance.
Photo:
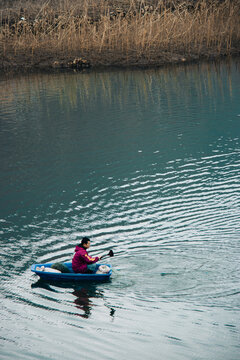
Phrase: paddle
(109, 254)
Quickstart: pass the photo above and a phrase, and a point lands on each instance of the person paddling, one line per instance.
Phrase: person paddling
(82, 262)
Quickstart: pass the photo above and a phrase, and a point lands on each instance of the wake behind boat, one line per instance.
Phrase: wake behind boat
(46, 272)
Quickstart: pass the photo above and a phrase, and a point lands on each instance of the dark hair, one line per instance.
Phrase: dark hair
(84, 241)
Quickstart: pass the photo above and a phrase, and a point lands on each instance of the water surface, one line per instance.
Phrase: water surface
(145, 163)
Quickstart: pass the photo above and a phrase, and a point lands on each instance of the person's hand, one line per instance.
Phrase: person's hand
(100, 256)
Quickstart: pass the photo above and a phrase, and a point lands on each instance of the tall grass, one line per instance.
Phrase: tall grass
(106, 33)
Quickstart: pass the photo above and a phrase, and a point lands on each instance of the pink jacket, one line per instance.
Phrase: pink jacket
(81, 259)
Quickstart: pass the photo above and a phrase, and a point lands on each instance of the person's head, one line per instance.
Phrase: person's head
(85, 243)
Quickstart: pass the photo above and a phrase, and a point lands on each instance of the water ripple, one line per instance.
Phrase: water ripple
(156, 179)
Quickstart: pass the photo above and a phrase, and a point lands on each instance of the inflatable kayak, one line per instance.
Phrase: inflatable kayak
(47, 273)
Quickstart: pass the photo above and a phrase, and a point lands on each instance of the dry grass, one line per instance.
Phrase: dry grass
(136, 33)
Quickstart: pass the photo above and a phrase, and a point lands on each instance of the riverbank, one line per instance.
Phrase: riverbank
(62, 34)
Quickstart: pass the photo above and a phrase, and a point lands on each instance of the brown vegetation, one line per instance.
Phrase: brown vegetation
(64, 33)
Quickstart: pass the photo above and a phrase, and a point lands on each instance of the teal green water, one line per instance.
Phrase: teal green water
(145, 163)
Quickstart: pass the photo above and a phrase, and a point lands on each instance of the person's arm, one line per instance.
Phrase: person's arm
(91, 260)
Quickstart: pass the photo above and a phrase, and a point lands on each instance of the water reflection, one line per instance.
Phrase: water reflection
(84, 299)
(42, 284)
(84, 296)
(70, 90)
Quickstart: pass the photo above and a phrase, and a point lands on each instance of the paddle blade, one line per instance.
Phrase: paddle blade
(111, 253)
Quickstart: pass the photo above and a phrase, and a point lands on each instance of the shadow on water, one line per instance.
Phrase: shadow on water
(84, 300)
(84, 295)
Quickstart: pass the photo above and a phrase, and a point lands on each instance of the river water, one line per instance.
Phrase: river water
(143, 162)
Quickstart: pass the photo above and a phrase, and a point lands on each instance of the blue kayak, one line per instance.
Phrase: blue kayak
(49, 275)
